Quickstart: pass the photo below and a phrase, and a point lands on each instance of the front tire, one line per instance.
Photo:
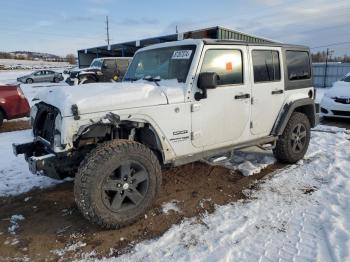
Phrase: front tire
(293, 143)
(29, 81)
(117, 183)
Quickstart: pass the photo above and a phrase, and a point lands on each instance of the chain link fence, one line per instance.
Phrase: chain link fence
(334, 72)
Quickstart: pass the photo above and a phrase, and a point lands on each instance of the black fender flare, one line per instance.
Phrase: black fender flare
(304, 105)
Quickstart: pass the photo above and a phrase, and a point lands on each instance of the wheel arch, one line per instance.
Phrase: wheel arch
(88, 75)
(305, 106)
(141, 132)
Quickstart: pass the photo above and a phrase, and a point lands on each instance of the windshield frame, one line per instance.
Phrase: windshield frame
(131, 72)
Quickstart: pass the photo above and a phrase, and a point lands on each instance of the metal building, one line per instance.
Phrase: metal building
(85, 56)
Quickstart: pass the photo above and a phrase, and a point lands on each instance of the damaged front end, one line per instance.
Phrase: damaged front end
(45, 154)
(58, 155)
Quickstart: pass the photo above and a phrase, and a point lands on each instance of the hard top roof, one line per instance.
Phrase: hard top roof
(238, 42)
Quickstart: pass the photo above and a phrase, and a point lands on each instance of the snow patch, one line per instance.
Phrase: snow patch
(14, 223)
(249, 161)
(15, 177)
(172, 205)
(69, 248)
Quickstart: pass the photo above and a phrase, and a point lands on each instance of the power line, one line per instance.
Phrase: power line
(333, 44)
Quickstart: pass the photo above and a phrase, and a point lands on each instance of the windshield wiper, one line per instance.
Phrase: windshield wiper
(131, 79)
(152, 79)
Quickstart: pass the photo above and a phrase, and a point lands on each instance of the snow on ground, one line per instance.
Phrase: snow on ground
(172, 205)
(15, 177)
(14, 223)
(299, 214)
(320, 93)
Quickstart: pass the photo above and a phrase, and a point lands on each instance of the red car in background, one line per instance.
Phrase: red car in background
(13, 103)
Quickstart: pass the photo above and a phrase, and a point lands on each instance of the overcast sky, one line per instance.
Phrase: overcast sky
(63, 26)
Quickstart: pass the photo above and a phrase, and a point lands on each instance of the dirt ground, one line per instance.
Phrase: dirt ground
(53, 224)
(9, 126)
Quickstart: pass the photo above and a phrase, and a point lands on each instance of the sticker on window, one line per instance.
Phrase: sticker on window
(182, 54)
(229, 67)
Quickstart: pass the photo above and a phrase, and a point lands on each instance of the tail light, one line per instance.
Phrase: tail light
(20, 92)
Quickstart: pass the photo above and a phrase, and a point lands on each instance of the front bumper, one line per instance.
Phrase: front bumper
(330, 108)
(39, 158)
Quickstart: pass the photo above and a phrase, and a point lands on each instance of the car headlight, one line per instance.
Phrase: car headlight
(331, 96)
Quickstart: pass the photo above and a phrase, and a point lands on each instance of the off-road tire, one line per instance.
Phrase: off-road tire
(98, 166)
(1, 118)
(284, 147)
(29, 81)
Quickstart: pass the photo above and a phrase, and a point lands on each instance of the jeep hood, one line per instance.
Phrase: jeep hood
(106, 97)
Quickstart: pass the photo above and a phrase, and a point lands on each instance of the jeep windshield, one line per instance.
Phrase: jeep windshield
(162, 63)
(96, 63)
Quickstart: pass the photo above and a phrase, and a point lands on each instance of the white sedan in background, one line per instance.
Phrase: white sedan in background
(336, 101)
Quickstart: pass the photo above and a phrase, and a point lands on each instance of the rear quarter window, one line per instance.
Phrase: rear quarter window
(298, 65)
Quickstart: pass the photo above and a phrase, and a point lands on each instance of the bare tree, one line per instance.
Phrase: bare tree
(70, 58)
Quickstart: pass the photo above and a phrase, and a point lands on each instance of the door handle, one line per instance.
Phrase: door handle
(277, 92)
(243, 96)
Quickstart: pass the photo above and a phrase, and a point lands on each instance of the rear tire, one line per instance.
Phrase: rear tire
(117, 183)
(29, 81)
(293, 143)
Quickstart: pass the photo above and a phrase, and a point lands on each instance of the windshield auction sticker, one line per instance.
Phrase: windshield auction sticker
(182, 54)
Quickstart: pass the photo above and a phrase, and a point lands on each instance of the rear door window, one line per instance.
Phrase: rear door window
(266, 65)
(110, 64)
(298, 65)
(123, 64)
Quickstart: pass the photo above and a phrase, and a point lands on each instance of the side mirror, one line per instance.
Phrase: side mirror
(104, 66)
(206, 80)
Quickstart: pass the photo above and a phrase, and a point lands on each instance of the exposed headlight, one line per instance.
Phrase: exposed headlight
(33, 113)
(57, 135)
(58, 123)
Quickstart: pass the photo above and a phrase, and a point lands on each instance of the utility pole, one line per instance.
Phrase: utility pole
(107, 24)
(329, 53)
(176, 29)
(325, 69)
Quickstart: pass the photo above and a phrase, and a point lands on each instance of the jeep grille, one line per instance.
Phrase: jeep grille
(44, 123)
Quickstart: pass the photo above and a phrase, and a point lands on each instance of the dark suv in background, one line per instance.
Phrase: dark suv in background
(103, 69)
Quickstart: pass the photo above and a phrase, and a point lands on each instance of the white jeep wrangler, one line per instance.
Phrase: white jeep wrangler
(179, 102)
